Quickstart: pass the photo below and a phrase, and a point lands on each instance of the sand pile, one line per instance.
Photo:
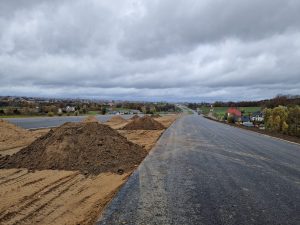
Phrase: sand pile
(144, 123)
(91, 148)
(90, 119)
(134, 117)
(155, 115)
(117, 119)
(13, 136)
(11, 131)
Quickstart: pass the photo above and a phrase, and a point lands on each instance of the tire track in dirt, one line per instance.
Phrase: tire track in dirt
(8, 173)
(14, 178)
(46, 199)
(28, 201)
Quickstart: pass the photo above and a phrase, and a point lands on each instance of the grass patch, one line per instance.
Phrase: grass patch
(93, 113)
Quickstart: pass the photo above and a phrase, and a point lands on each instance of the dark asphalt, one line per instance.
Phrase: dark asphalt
(204, 172)
(44, 122)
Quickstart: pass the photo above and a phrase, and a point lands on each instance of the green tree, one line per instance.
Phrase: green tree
(293, 120)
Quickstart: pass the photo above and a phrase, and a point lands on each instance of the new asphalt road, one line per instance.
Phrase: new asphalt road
(204, 172)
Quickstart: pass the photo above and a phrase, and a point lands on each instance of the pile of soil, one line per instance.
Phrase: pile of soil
(117, 119)
(144, 123)
(13, 136)
(91, 148)
(134, 117)
(90, 119)
(11, 131)
(155, 115)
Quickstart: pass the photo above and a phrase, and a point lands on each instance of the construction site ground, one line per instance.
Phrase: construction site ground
(60, 196)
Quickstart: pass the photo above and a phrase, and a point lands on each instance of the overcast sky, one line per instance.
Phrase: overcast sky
(171, 50)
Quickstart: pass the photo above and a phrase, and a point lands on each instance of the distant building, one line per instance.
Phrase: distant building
(70, 109)
(234, 112)
(257, 116)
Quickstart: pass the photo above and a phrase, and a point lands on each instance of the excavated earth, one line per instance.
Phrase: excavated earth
(144, 123)
(90, 148)
(117, 119)
(134, 117)
(90, 119)
(14, 138)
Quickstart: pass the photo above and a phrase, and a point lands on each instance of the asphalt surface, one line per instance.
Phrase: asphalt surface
(204, 172)
(44, 122)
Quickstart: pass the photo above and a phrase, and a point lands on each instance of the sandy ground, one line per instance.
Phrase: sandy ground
(116, 125)
(167, 120)
(11, 143)
(54, 197)
(144, 138)
(62, 197)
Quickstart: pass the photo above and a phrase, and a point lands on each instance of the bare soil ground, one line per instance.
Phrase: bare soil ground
(54, 197)
(144, 138)
(167, 120)
(90, 119)
(60, 196)
(117, 122)
(90, 148)
(13, 138)
(144, 123)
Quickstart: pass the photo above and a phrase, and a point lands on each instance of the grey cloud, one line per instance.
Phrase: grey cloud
(134, 49)
(169, 26)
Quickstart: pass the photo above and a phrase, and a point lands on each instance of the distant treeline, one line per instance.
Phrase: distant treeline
(283, 100)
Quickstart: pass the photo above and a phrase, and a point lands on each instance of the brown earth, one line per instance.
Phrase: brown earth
(144, 138)
(90, 148)
(134, 117)
(65, 197)
(167, 120)
(13, 137)
(90, 119)
(116, 122)
(144, 123)
(54, 197)
(117, 119)
(155, 115)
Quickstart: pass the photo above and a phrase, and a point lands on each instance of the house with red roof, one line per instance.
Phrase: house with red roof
(234, 113)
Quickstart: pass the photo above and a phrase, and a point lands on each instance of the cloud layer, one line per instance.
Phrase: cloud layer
(150, 50)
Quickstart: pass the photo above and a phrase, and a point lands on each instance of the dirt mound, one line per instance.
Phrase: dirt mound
(134, 117)
(11, 131)
(91, 148)
(144, 123)
(90, 119)
(117, 119)
(12, 136)
(155, 115)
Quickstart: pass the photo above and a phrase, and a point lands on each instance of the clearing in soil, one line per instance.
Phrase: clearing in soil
(90, 148)
(12, 137)
(144, 123)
